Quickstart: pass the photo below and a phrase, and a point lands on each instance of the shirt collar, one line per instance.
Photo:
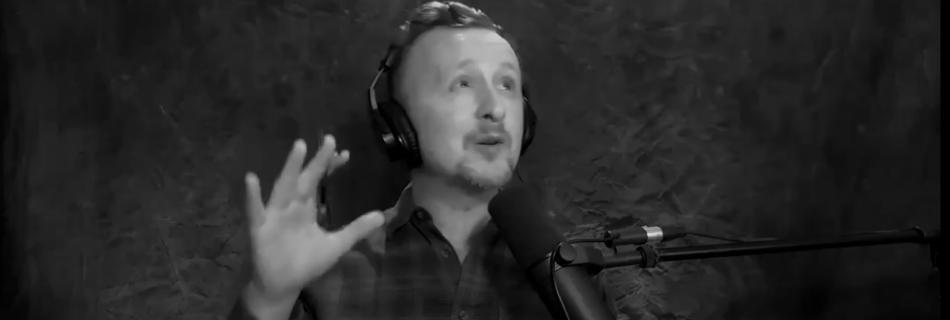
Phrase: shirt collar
(402, 211)
(400, 214)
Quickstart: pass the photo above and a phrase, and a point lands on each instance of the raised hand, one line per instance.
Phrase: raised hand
(289, 248)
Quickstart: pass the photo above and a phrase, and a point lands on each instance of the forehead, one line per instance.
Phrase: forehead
(443, 49)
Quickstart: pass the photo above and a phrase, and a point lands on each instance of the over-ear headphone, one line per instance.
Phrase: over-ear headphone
(396, 131)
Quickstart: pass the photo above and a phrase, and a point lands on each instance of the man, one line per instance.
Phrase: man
(436, 254)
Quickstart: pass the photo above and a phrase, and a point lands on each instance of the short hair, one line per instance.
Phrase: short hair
(429, 16)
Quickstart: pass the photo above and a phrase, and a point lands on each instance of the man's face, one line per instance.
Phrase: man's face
(462, 91)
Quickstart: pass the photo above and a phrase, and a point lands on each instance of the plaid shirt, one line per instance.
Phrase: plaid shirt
(410, 272)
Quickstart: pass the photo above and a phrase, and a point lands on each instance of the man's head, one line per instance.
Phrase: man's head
(460, 83)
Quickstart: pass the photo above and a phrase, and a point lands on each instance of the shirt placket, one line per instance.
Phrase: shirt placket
(457, 273)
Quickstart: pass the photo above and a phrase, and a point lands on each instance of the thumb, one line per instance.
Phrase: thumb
(358, 229)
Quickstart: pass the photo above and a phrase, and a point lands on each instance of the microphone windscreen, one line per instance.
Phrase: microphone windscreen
(529, 231)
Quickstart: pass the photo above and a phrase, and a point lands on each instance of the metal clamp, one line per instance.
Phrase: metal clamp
(650, 257)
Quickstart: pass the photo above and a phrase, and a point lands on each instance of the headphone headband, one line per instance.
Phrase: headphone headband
(387, 62)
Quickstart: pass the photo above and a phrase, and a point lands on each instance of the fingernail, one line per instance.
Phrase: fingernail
(300, 145)
(329, 139)
(250, 178)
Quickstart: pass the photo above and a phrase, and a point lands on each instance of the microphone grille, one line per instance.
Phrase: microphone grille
(527, 228)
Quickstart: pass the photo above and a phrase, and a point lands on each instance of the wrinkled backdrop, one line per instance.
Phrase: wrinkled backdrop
(134, 121)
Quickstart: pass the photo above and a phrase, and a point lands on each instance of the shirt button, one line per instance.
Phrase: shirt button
(463, 315)
(420, 215)
(445, 254)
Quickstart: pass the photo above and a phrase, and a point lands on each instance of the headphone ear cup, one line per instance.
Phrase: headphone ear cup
(387, 135)
(404, 132)
(530, 122)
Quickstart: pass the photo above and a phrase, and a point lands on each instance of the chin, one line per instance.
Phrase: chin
(486, 175)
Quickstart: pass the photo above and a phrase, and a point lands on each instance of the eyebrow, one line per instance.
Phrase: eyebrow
(504, 65)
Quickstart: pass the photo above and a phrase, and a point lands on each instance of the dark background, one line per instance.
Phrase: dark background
(132, 123)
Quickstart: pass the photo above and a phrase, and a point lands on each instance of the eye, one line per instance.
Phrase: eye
(462, 82)
(509, 84)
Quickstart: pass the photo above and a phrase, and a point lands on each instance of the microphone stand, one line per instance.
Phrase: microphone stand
(646, 256)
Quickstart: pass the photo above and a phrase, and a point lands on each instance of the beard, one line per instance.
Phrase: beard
(485, 175)
(473, 171)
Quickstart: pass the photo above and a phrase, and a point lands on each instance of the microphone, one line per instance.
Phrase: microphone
(532, 237)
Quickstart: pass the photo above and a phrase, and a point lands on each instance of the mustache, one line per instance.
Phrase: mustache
(489, 133)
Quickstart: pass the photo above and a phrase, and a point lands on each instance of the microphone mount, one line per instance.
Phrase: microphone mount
(646, 256)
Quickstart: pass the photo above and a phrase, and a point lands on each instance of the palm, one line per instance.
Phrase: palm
(290, 248)
(291, 253)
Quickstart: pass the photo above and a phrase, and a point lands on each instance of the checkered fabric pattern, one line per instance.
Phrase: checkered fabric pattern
(410, 272)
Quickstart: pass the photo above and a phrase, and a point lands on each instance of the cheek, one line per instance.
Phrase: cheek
(442, 133)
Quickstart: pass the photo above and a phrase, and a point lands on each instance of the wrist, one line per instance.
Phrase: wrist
(266, 305)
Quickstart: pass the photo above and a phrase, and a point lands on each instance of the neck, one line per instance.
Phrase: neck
(457, 210)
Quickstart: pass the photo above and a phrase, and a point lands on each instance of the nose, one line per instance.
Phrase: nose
(488, 107)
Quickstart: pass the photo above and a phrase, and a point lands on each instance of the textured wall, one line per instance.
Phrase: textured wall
(135, 121)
